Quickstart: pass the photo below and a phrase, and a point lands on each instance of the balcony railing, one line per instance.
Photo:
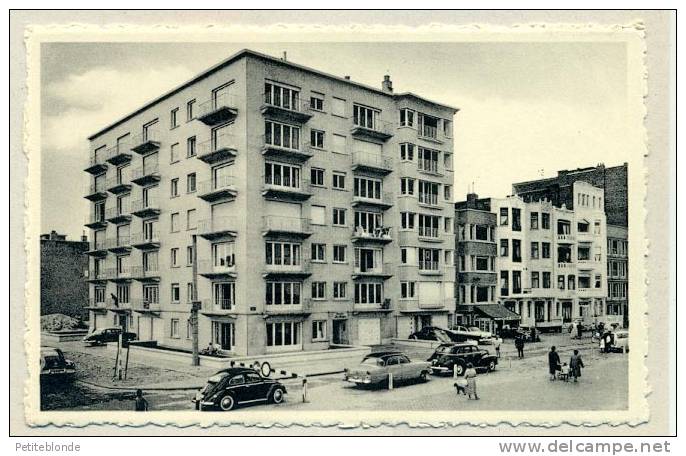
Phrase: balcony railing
(379, 306)
(123, 273)
(285, 225)
(218, 149)
(218, 188)
(419, 304)
(216, 227)
(119, 154)
(144, 305)
(224, 267)
(429, 267)
(118, 214)
(118, 244)
(145, 240)
(96, 163)
(429, 232)
(218, 109)
(304, 305)
(95, 274)
(145, 208)
(95, 221)
(96, 192)
(385, 201)
(429, 167)
(97, 245)
(384, 270)
(565, 238)
(297, 150)
(94, 304)
(275, 187)
(428, 132)
(150, 272)
(372, 162)
(565, 265)
(118, 185)
(376, 129)
(381, 234)
(288, 109)
(147, 141)
(145, 175)
(301, 268)
(217, 306)
(429, 199)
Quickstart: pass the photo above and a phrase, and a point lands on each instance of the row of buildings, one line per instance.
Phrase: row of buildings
(301, 210)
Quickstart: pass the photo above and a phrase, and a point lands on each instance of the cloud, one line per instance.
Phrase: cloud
(85, 102)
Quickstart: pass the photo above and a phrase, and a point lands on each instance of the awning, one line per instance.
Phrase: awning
(496, 312)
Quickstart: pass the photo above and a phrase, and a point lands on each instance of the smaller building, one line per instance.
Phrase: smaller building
(63, 286)
(618, 275)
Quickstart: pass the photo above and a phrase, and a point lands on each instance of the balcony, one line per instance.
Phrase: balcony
(371, 162)
(145, 306)
(96, 306)
(217, 307)
(380, 235)
(119, 154)
(145, 241)
(115, 275)
(218, 227)
(273, 189)
(145, 175)
(377, 130)
(118, 215)
(145, 142)
(302, 269)
(418, 305)
(383, 271)
(222, 268)
(95, 221)
(117, 306)
(150, 273)
(96, 163)
(566, 265)
(429, 234)
(303, 308)
(427, 267)
(300, 152)
(429, 167)
(275, 225)
(219, 149)
(95, 275)
(429, 133)
(220, 188)
(144, 209)
(218, 110)
(429, 200)
(116, 185)
(386, 201)
(284, 111)
(97, 248)
(119, 244)
(362, 307)
(565, 238)
(95, 192)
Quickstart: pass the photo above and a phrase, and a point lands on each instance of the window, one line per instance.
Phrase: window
(191, 222)
(428, 259)
(545, 220)
(281, 135)
(482, 263)
(428, 225)
(338, 180)
(175, 222)
(318, 252)
(545, 249)
(174, 331)
(174, 187)
(189, 255)
(318, 215)
(504, 283)
(516, 250)
(150, 197)
(190, 114)
(123, 264)
(516, 282)
(546, 279)
(561, 282)
(407, 152)
(318, 330)
(447, 128)
(407, 220)
(447, 192)
(317, 177)
(191, 150)
(598, 281)
(173, 118)
(428, 193)
(504, 216)
(504, 247)
(535, 280)
(317, 139)
(282, 175)
(338, 144)
(428, 126)
(596, 227)
(448, 161)
(582, 281)
(339, 254)
(174, 153)
(190, 183)
(99, 294)
(481, 232)
(174, 258)
(407, 290)
(534, 250)
(364, 116)
(367, 188)
(284, 333)
(123, 293)
(317, 102)
(368, 222)
(223, 255)
(583, 253)
(534, 220)
(282, 253)
(339, 290)
(283, 293)
(407, 117)
(427, 160)
(368, 293)
(175, 293)
(516, 219)
(319, 290)
(338, 107)
(284, 97)
(582, 227)
(338, 216)
(406, 186)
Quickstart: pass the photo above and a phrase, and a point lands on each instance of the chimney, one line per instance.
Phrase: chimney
(471, 200)
(84, 238)
(387, 84)
(285, 57)
(347, 77)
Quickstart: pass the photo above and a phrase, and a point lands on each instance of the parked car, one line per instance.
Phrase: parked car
(435, 333)
(509, 332)
(54, 366)
(105, 335)
(621, 341)
(528, 333)
(459, 355)
(235, 386)
(472, 331)
(375, 367)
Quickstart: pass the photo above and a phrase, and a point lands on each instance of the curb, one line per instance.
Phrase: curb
(134, 388)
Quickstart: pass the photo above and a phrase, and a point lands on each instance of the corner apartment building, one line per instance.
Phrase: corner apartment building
(550, 261)
(617, 275)
(614, 181)
(63, 287)
(321, 209)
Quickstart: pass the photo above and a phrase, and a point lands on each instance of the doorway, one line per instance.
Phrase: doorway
(340, 332)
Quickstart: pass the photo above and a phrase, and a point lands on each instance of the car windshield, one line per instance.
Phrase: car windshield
(622, 335)
(474, 328)
(443, 349)
(442, 335)
(372, 361)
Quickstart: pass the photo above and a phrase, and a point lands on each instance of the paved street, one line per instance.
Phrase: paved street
(515, 385)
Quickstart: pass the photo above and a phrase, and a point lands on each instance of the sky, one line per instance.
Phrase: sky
(527, 110)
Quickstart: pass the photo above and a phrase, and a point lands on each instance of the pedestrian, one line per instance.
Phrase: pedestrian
(141, 403)
(470, 375)
(572, 331)
(519, 344)
(579, 330)
(497, 346)
(553, 362)
(575, 365)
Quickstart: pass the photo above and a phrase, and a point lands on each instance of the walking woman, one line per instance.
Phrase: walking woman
(575, 365)
(470, 375)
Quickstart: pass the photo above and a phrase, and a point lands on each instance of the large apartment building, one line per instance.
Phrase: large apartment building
(321, 210)
(550, 264)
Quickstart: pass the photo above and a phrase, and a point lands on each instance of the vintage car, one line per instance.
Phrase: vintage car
(236, 386)
(435, 333)
(471, 332)
(104, 335)
(622, 340)
(54, 366)
(375, 367)
(460, 355)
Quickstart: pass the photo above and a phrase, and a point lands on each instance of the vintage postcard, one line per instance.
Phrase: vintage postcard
(336, 226)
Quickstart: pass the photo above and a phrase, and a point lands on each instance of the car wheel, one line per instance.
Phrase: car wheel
(459, 369)
(413, 337)
(423, 377)
(491, 366)
(227, 403)
(277, 396)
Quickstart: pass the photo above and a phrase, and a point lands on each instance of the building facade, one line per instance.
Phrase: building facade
(63, 268)
(550, 262)
(617, 275)
(320, 210)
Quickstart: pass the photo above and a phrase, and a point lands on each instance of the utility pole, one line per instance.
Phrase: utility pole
(195, 304)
